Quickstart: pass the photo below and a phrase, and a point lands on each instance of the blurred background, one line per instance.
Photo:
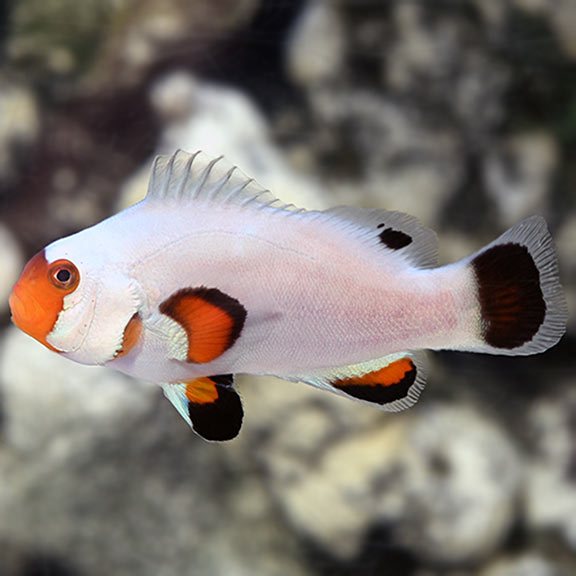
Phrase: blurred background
(462, 113)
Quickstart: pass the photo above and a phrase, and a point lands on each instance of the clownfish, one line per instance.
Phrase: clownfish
(210, 276)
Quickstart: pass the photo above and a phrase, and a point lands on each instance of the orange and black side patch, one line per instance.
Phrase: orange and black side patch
(212, 321)
(214, 407)
(383, 386)
(510, 295)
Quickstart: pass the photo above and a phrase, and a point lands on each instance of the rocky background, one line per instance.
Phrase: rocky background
(460, 112)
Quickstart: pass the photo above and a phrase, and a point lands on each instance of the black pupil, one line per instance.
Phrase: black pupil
(63, 275)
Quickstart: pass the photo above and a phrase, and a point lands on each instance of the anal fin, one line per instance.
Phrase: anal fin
(392, 383)
(211, 406)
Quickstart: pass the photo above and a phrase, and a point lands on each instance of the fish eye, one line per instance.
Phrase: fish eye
(64, 275)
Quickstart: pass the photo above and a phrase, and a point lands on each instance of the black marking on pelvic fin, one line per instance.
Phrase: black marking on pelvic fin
(383, 394)
(394, 239)
(223, 379)
(511, 299)
(220, 420)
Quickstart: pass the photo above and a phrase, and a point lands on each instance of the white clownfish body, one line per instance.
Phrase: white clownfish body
(209, 276)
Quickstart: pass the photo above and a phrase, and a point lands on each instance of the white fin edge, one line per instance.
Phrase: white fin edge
(176, 393)
(533, 233)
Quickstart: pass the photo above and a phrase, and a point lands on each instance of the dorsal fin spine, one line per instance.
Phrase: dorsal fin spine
(205, 175)
(168, 176)
(223, 181)
(184, 180)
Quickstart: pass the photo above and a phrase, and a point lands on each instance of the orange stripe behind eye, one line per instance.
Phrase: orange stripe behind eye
(35, 301)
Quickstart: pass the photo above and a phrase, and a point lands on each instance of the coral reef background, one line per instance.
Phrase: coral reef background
(460, 112)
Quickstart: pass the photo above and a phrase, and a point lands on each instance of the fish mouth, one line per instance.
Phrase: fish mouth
(24, 310)
(28, 314)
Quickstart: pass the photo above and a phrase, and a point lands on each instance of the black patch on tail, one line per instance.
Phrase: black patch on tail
(394, 239)
(511, 299)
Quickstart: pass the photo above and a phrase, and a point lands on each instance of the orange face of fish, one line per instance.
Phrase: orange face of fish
(38, 297)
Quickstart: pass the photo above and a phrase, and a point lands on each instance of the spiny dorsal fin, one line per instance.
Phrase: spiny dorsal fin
(389, 230)
(184, 177)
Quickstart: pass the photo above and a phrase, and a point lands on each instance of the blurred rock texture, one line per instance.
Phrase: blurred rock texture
(461, 112)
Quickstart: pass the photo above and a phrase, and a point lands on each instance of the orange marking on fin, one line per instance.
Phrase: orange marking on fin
(201, 391)
(38, 297)
(384, 386)
(387, 376)
(212, 321)
(132, 334)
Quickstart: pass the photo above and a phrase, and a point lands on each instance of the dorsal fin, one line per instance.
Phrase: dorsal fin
(184, 177)
(390, 230)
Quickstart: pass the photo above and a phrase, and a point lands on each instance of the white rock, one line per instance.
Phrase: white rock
(520, 174)
(11, 264)
(461, 481)
(19, 124)
(90, 460)
(527, 565)
(445, 479)
(566, 247)
(330, 496)
(58, 407)
(316, 49)
(551, 491)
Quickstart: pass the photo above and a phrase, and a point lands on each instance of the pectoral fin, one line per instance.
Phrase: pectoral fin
(211, 406)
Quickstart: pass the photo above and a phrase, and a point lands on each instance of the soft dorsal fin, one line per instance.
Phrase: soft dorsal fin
(389, 230)
(184, 177)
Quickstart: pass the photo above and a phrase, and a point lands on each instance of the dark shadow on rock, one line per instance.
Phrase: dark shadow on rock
(379, 555)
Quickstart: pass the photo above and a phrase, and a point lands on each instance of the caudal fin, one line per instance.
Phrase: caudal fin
(522, 304)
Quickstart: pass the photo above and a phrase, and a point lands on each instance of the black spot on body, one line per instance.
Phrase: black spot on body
(394, 239)
(380, 394)
(511, 299)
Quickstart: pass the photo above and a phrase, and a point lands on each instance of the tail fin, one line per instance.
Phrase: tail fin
(522, 304)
